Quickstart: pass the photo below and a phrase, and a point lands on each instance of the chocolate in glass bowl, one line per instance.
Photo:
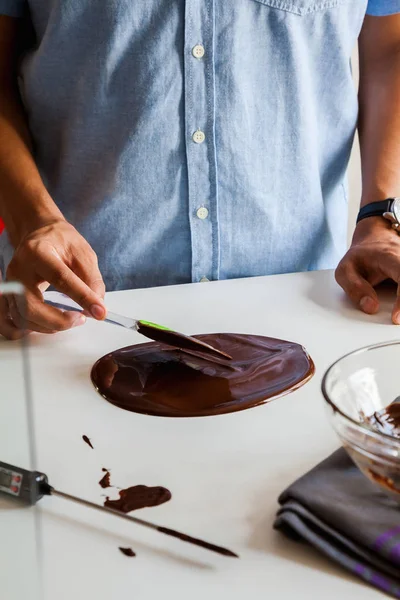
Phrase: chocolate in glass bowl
(361, 390)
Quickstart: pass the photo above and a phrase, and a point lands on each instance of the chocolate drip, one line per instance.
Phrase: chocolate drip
(127, 551)
(88, 442)
(138, 496)
(156, 379)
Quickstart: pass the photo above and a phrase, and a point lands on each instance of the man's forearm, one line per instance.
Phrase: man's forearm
(379, 122)
(25, 203)
(374, 254)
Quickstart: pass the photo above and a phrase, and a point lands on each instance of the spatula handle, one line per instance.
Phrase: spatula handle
(120, 320)
(63, 302)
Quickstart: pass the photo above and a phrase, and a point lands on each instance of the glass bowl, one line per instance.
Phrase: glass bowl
(358, 389)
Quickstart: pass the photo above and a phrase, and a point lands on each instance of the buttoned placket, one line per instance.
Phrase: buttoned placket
(200, 138)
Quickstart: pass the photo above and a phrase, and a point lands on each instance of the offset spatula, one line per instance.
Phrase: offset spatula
(155, 332)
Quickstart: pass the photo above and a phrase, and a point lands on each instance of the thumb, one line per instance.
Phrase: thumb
(99, 288)
(359, 290)
(7, 327)
(396, 308)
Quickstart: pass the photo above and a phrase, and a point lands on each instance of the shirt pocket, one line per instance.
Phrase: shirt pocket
(302, 7)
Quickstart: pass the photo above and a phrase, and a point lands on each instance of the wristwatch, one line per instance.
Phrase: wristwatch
(388, 209)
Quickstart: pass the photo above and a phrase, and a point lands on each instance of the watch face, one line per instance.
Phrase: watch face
(396, 209)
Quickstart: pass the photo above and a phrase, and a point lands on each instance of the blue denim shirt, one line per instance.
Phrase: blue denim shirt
(200, 138)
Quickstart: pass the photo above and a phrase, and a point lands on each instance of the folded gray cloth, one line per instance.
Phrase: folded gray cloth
(338, 510)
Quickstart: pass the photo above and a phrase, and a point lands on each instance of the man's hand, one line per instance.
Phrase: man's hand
(374, 254)
(48, 251)
(373, 257)
(57, 255)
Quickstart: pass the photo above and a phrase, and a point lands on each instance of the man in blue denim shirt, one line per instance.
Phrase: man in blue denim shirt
(190, 141)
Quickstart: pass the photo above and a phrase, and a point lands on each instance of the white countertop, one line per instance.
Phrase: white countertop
(225, 473)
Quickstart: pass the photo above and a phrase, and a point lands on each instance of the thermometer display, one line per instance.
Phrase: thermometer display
(5, 479)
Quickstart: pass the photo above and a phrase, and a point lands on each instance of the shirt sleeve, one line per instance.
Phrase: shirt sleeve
(379, 8)
(13, 8)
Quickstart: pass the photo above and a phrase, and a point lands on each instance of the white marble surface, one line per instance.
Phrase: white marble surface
(225, 472)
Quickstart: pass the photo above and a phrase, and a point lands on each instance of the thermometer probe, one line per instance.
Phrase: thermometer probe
(30, 486)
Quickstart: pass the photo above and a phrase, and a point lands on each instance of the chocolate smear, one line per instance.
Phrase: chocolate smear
(138, 496)
(384, 481)
(179, 340)
(192, 540)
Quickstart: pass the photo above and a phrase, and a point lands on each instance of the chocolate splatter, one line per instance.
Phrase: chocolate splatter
(105, 480)
(87, 440)
(139, 496)
(127, 551)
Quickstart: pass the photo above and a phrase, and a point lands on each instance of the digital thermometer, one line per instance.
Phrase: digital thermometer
(26, 486)
(30, 486)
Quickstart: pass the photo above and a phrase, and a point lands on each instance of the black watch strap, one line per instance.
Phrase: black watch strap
(375, 209)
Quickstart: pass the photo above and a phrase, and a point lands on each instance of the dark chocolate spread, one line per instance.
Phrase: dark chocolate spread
(159, 380)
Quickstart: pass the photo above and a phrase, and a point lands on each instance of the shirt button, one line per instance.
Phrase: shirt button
(198, 51)
(204, 280)
(199, 136)
(202, 212)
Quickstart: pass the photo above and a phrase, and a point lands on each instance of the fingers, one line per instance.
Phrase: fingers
(87, 268)
(7, 327)
(58, 274)
(59, 256)
(359, 290)
(33, 314)
(390, 268)
(396, 308)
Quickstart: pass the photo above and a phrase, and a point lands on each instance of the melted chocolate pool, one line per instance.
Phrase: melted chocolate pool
(158, 380)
